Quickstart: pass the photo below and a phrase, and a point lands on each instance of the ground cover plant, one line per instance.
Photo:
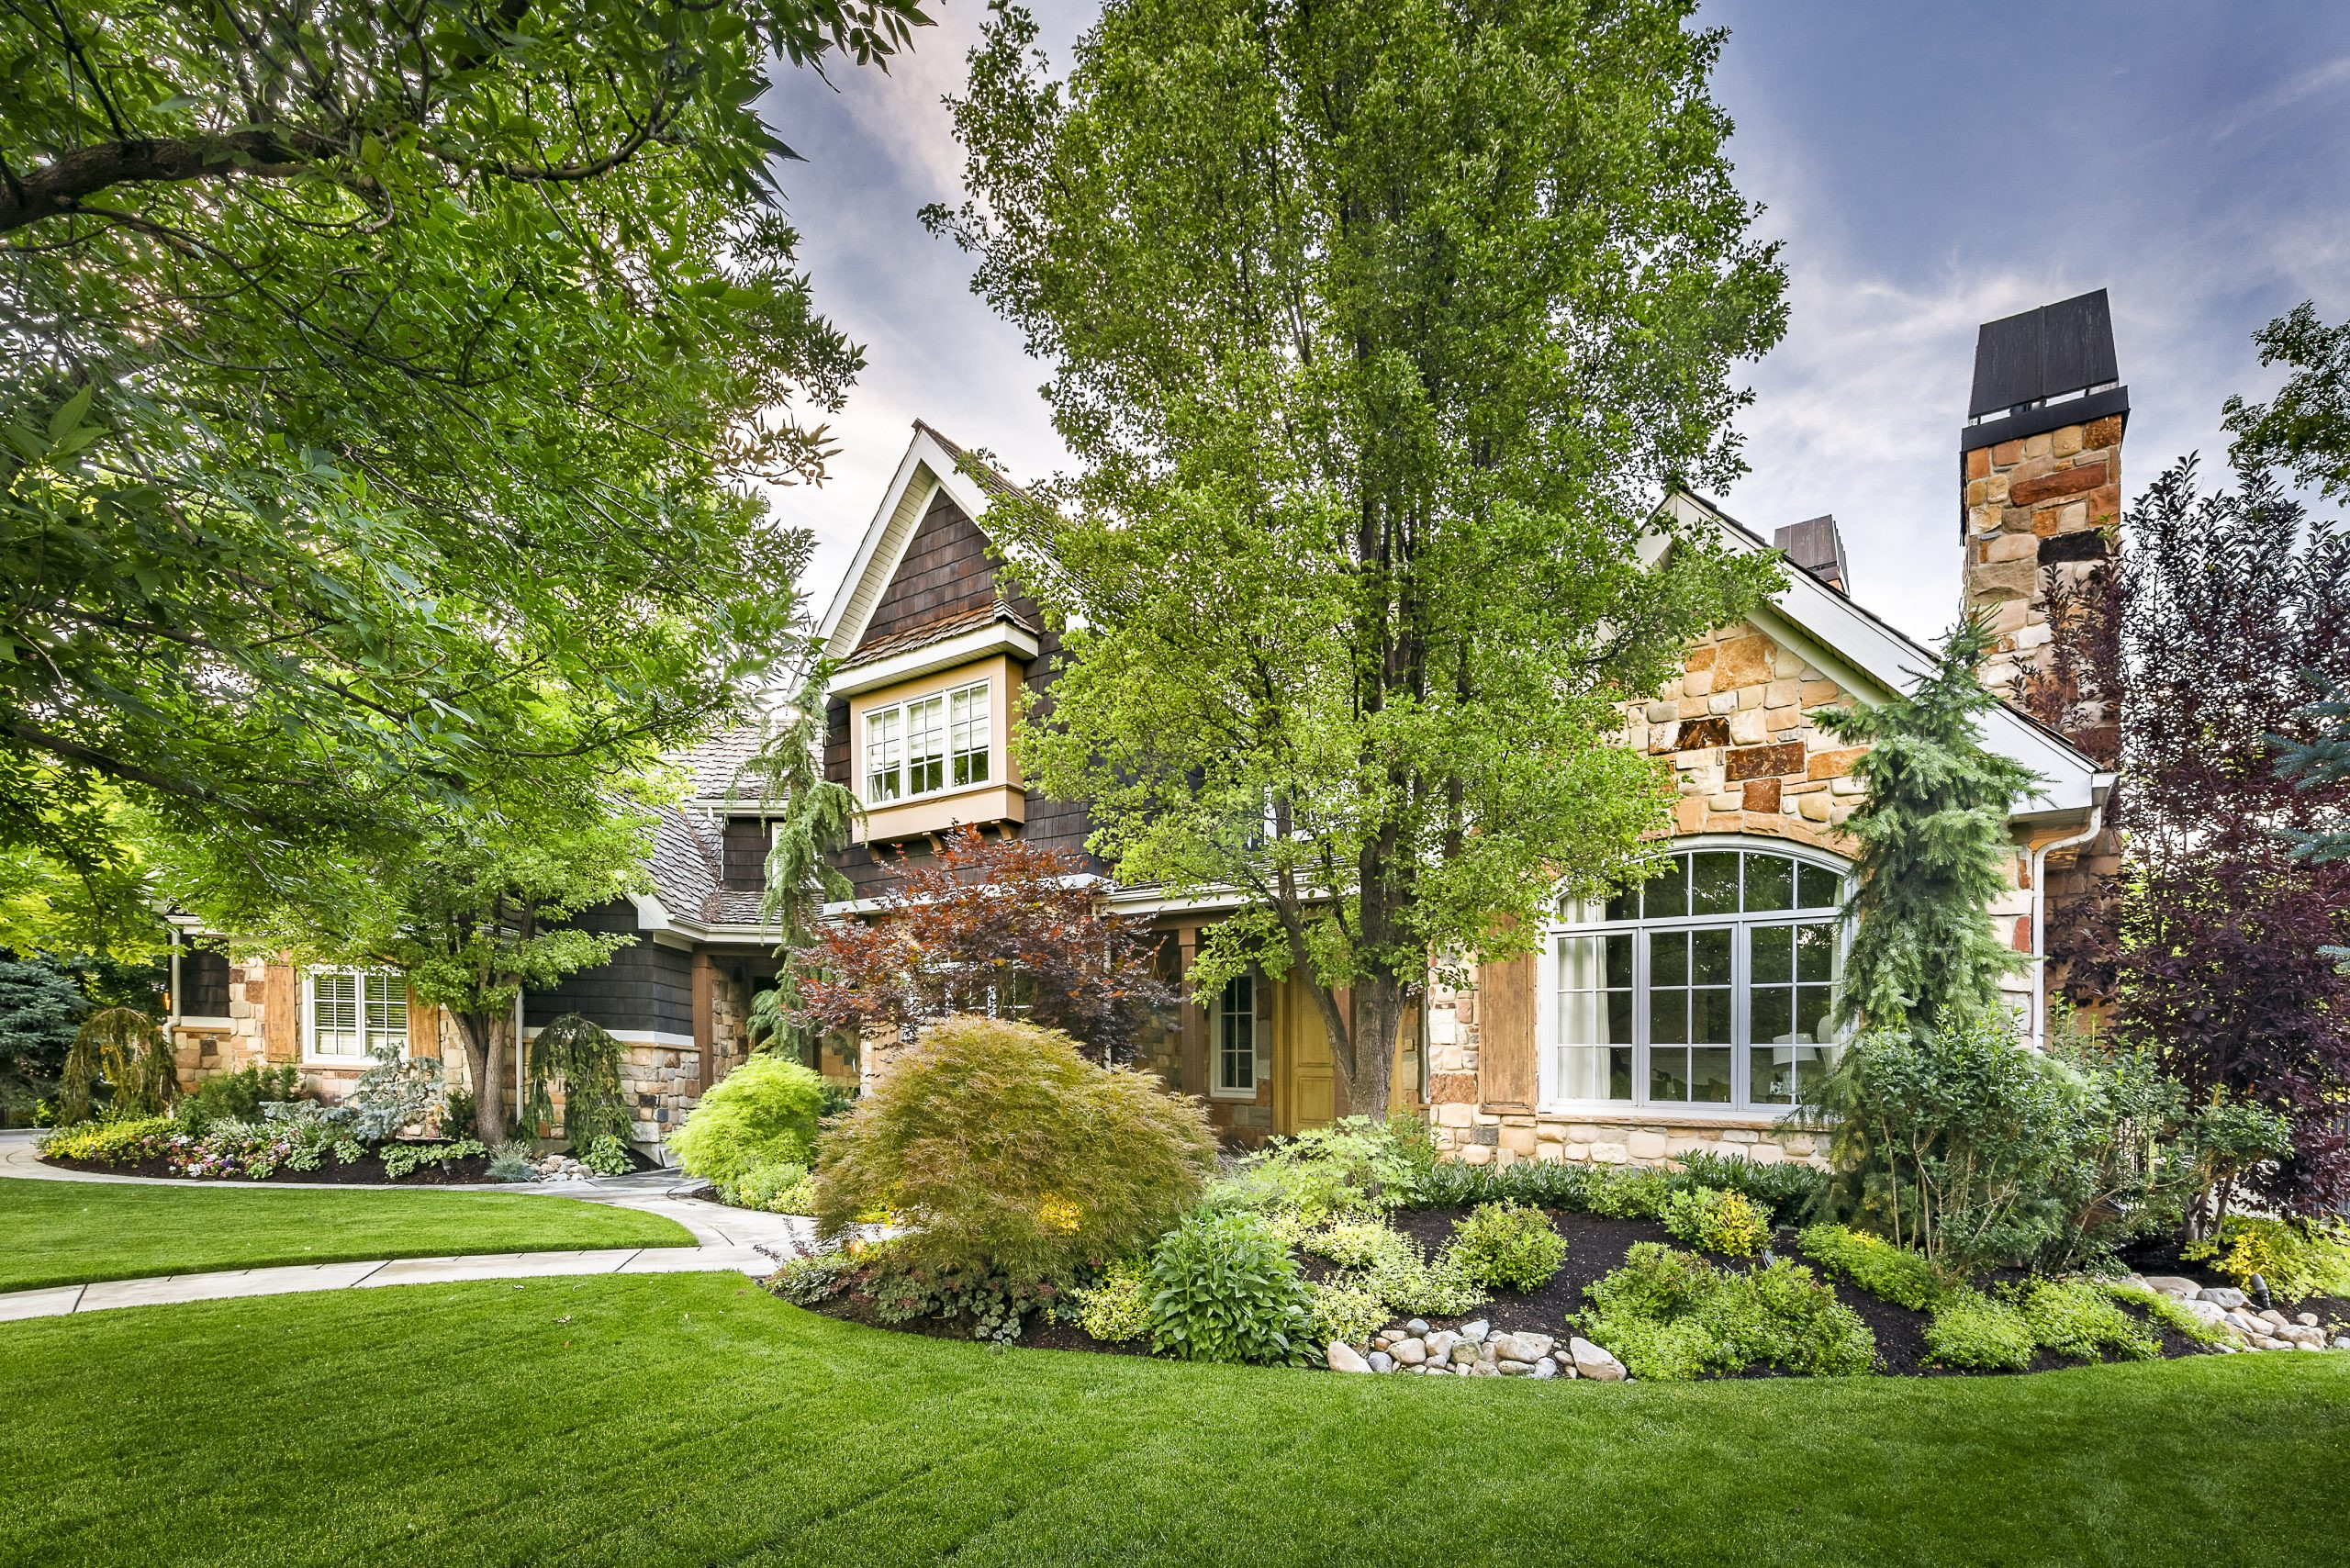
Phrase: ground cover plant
(684, 1388)
(1669, 1315)
(71, 1232)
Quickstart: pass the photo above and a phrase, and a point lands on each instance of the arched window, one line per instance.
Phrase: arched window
(1707, 986)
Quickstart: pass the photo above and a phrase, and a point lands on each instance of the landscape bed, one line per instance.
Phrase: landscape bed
(1597, 1246)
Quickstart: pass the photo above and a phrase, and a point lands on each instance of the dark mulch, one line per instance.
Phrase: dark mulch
(1595, 1248)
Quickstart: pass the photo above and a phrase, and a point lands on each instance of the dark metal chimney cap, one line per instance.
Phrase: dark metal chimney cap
(1817, 545)
(2030, 368)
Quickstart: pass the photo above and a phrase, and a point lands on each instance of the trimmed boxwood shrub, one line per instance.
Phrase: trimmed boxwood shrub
(763, 1113)
(1007, 1154)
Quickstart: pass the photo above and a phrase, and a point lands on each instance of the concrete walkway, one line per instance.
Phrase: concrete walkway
(742, 1240)
(59, 1300)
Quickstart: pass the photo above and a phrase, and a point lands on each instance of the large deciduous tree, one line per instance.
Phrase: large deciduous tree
(377, 374)
(1378, 329)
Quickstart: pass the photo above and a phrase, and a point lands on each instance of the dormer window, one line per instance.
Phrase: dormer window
(927, 744)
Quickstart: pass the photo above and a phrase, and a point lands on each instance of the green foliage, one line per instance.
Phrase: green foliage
(2167, 1311)
(1669, 1316)
(445, 471)
(763, 1113)
(777, 1186)
(1223, 1289)
(1885, 1271)
(1545, 1183)
(1630, 1192)
(40, 1008)
(810, 818)
(237, 1096)
(1716, 1221)
(124, 1050)
(805, 1279)
(1345, 1311)
(396, 1091)
(1506, 1245)
(404, 1160)
(2297, 1258)
(1344, 306)
(1354, 1166)
(608, 1156)
(1932, 832)
(1788, 1190)
(1009, 1154)
(1391, 1266)
(585, 1058)
(2305, 429)
(1973, 1330)
(109, 1141)
(511, 1162)
(1116, 1307)
(2079, 1318)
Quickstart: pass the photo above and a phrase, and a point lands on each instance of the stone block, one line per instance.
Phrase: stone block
(1979, 462)
(1728, 800)
(1813, 808)
(1661, 712)
(1691, 707)
(1783, 693)
(1833, 763)
(1814, 691)
(1476, 1154)
(1698, 735)
(1764, 762)
(2006, 547)
(1746, 727)
(1745, 661)
(1697, 683)
(1699, 658)
(1689, 814)
(2106, 431)
(1610, 1154)
(1762, 795)
(2076, 480)
(2064, 441)
(1780, 720)
(2007, 454)
(1452, 1088)
(1454, 1116)
(2003, 579)
(1518, 1140)
(1646, 1143)
(1722, 702)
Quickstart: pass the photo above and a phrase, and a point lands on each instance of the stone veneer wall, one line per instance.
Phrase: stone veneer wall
(1746, 760)
(2050, 502)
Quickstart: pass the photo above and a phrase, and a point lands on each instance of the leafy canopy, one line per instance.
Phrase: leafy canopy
(1377, 331)
(382, 393)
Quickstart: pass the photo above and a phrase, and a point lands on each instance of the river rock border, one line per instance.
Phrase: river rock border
(1473, 1350)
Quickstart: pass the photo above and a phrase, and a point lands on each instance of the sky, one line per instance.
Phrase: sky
(1926, 168)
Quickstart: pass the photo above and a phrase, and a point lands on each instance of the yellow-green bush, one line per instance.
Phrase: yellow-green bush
(1008, 1154)
(1715, 1220)
(1118, 1307)
(1505, 1244)
(2297, 1258)
(1890, 1272)
(123, 1142)
(762, 1112)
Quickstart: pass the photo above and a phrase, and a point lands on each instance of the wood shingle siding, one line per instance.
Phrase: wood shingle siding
(642, 987)
(946, 572)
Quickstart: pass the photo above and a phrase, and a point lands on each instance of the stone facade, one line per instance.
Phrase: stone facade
(2049, 501)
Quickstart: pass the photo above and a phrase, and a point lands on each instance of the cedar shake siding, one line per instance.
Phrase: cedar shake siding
(644, 988)
(947, 576)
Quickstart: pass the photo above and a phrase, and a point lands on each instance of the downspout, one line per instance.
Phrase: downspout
(2040, 910)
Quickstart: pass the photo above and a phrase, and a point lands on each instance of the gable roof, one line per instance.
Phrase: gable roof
(931, 463)
(1870, 657)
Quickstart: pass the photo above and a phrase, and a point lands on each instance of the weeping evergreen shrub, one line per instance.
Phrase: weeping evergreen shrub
(585, 1059)
(125, 1049)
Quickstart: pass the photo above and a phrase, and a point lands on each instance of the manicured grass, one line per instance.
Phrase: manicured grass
(54, 1233)
(691, 1419)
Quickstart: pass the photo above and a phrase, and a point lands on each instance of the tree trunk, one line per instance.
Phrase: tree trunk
(1379, 1003)
(484, 1035)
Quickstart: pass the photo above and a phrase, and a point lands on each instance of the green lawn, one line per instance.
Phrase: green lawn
(55, 1233)
(690, 1418)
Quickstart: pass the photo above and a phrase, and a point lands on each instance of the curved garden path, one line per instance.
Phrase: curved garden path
(727, 1240)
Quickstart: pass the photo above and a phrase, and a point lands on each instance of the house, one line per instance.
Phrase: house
(1688, 1015)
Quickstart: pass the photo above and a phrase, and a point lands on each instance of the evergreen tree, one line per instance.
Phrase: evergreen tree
(816, 818)
(40, 1008)
(1932, 831)
(2322, 764)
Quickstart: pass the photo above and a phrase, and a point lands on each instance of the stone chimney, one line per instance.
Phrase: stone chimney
(2041, 462)
(1818, 546)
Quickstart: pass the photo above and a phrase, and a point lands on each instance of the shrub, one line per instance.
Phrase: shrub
(608, 1156)
(810, 1277)
(2076, 1319)
(2294, 1258)
(1224, 1289)
(1973, 1330)
(404, 1160)
(2167, 1311)
(1716, 1221)
(1503, 1244)
(396, 1093)
(127, 1050)
(123, 1141)
(1354, 1166)
(763, 1110)
(236, 1096)
(1116, 1307)
(1670, 1314)
(1548, 1183)
(1345, 1311)
(1888, 1272)
(1788, 1190)
(511, 1162)
(1008, 1153)
(457, 1112)
(585, 1058)
(1629, 1193)
(1359, 1244)
(776, 1186)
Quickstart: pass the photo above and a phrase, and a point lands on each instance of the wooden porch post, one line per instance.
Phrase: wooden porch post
(705, 1031)
(1194, 1019)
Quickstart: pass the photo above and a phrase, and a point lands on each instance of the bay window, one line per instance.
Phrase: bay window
(1707, 986)
(928, 744)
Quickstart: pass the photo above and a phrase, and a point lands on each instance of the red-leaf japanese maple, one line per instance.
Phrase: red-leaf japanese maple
(992, 926)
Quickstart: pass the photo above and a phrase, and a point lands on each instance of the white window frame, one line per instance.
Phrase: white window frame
(313, 1057)
(947, 759)
(1257, 1018)
(1742, 1105)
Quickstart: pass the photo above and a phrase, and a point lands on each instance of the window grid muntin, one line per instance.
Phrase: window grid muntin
(928, 744)
(354, 1011)
(1236, 1038)
(1815, 889)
